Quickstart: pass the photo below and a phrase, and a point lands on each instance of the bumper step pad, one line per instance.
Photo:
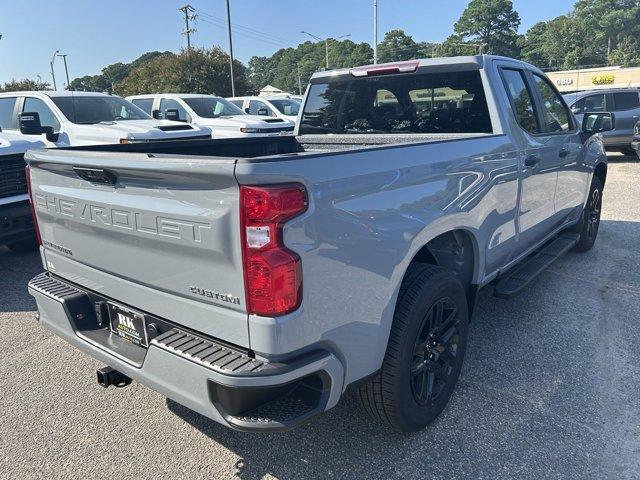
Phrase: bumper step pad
(211, 354)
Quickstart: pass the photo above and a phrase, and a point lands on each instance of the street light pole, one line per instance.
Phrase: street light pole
(233, 87)
(375, 32)
(53, 73)
(299, 81)
(66, 70)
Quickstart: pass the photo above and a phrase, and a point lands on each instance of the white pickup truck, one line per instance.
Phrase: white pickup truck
(62, 119)
(223, 117)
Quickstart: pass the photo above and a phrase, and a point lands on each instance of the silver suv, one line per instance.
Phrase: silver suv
(624, 102)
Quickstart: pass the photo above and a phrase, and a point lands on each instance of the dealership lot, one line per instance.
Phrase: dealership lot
(549, 389)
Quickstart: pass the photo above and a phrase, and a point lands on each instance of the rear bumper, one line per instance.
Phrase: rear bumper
(229, 386)
(16, 222)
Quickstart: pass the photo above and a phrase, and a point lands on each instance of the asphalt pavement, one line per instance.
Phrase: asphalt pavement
(550, 389)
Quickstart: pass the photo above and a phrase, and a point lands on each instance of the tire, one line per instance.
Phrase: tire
(590, 222)
(417, 378)
(24, 246)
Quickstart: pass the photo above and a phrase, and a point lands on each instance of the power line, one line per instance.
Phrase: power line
(188, 15)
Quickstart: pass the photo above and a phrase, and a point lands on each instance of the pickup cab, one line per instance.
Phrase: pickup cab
(254, 281)
(67, 118)
(224, 118)
(276, 106)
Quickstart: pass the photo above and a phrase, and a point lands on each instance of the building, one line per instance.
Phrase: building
(595, 78)
(270, 90)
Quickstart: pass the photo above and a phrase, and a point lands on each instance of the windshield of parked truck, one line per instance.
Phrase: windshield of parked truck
(286, 106)
(88, 110)
(213, 107)
(452, 102)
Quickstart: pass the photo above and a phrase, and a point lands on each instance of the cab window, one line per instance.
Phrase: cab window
(521, 100)
(626, 101)
(257, 107)
(592, 103)
(6, 113)
(145, 104)
(47, 118)
(171, 104)
(554, 111)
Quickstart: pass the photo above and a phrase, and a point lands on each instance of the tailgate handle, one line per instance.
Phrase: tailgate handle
(96, 175)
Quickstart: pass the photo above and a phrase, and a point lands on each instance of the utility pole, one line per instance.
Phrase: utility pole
(53, 73)
(299, 81)
(375, 32)
(233, 86)
(326, 44)
(66, 70)
(187, 9)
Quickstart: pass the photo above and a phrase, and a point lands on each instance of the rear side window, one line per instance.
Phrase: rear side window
(6, 112)
(592, 103)
(145, 104)
(554, 111)
(411, 103)
(521, 100)
(626, 100)
(47, 118)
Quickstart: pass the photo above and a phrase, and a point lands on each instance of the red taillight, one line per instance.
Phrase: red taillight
(27, 172)
(272, 272)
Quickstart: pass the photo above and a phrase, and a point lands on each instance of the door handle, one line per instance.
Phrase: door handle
(563, 152)
(531, 160)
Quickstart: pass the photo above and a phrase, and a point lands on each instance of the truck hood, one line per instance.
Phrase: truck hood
(11, 143)
(141, 130)
(246, 121)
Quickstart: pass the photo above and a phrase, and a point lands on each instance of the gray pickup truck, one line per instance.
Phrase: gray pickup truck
(256, 280)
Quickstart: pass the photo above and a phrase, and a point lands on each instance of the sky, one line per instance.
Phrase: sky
(96, 33)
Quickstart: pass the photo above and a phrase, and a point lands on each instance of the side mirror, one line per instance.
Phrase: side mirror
(596, 122)
(263, 111)
(247, 110)
(172, 114)
(155, 114)
(30, 125)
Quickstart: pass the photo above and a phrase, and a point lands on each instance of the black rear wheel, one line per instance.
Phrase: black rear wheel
(425, 352)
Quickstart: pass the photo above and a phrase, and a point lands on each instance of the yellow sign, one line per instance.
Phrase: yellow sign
(603, 79)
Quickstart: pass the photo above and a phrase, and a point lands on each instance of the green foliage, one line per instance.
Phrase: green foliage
(111, 75)
(198, 71)
(25, 84)
(596, 33)
(492, 23)
(398, 46)
(281, 68)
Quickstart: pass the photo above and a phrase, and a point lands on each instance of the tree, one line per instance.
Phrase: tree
(26, 84)
(281, 69)
(398, 46)
(111, 75)
(493, 23)
(196, 71)
(455, 45)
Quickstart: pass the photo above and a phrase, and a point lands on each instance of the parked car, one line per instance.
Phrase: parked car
(635, 144)
(66, 118)
(625, 103)
(255, 280)
(297, 98)
(224, 118)
(16, 221)
(276, 106)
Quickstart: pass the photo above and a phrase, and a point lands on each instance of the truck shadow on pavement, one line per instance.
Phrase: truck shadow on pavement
(546, 373)
(16, 269)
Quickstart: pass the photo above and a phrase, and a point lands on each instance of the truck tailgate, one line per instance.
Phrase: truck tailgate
(159, 224)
